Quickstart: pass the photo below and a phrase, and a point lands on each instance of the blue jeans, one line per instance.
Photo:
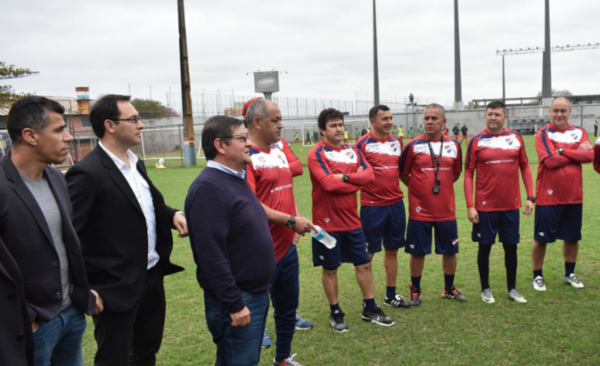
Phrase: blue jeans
(237, 346)
(285, 290)
(58, 342)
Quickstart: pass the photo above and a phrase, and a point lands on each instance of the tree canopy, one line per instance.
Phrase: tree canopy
(148, 109)
(557, 93)
(7, 93)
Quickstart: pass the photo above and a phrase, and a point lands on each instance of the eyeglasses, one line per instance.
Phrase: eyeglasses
(133, 120)
(243, 138)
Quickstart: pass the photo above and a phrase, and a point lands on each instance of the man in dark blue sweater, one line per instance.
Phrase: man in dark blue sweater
(232, 244)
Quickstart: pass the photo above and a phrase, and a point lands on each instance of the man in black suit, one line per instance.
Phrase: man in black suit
(125, 232)
(36, 226)
(16, 337)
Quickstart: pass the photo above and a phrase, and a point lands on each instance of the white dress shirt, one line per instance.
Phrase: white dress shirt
(141, 190)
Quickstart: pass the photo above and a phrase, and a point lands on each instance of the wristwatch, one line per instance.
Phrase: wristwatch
(532, 199)
(560, 150)
(346, 178)
(291, 222)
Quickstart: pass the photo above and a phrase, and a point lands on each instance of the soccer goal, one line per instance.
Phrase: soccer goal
(310, 134)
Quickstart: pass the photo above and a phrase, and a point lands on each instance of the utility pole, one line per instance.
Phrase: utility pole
(186, 98)
(375, 62)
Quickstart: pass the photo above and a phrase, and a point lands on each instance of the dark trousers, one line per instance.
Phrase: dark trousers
(133, 337)
(285, 290)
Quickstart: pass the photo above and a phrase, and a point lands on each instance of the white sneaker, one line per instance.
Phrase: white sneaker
(487, 297)
(538, 284)
(516, 296)
(573, 281)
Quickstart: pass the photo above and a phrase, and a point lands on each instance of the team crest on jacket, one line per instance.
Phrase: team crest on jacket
(550, 191)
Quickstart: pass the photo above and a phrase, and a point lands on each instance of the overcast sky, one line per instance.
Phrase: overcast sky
(324, 45)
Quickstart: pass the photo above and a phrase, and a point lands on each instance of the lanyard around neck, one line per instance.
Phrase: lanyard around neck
(436, 162)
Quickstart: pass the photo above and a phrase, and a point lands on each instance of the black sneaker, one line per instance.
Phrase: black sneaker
(415, 296)
(337, 321)
(397, 301)
(453, 294)
(377, 316)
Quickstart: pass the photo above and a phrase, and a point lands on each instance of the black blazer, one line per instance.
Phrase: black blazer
(27, 237)
(112, 229)
(16, 338)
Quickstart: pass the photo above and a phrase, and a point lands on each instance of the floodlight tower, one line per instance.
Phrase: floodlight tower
(547, 71)
(523, 51)
(375, 61)
(458, 104)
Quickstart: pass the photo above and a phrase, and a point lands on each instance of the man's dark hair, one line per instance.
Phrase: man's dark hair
(495, 105)
(256, 108)
(106, 108)
(329, 114)
(217, 127)
(373, 112)
(30, 112)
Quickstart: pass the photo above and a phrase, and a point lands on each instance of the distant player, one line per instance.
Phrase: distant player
(561, 147)
(456, 131)
(465, 131)
(497, 154)
(420, 129)
(345, 136)
(356, 134)
(411, 133)
(429, 166)
(382, 209)
(296, 139)
(337, 172)
(401, 133)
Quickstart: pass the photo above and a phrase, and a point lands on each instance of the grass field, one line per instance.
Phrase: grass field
(558, 327)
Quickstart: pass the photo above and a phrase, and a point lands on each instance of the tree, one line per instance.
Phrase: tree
(557, 93)
(7, 93)
(148, 108)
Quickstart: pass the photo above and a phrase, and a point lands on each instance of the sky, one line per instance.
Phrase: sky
(324, 48)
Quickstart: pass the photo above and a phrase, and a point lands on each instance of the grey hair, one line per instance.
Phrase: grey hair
(557, 98)
(437, 106)
(258, 108)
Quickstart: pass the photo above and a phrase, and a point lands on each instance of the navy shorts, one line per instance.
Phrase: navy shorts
(558, 222)
(504, 223)
(418, 237)
(386, 223)
(351, 247)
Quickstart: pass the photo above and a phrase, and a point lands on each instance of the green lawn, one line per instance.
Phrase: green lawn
(555, 328)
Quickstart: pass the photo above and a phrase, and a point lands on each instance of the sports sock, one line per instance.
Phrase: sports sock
(335, 307)
(483, 263)
(569, 268)
(537, 273)
(510, 262)
(390, 292)
(449, 281)
(416, 282)
(368, 304)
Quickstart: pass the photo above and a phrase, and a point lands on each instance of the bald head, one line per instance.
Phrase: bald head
(560, 111)
(561, 100)
(259, 108)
